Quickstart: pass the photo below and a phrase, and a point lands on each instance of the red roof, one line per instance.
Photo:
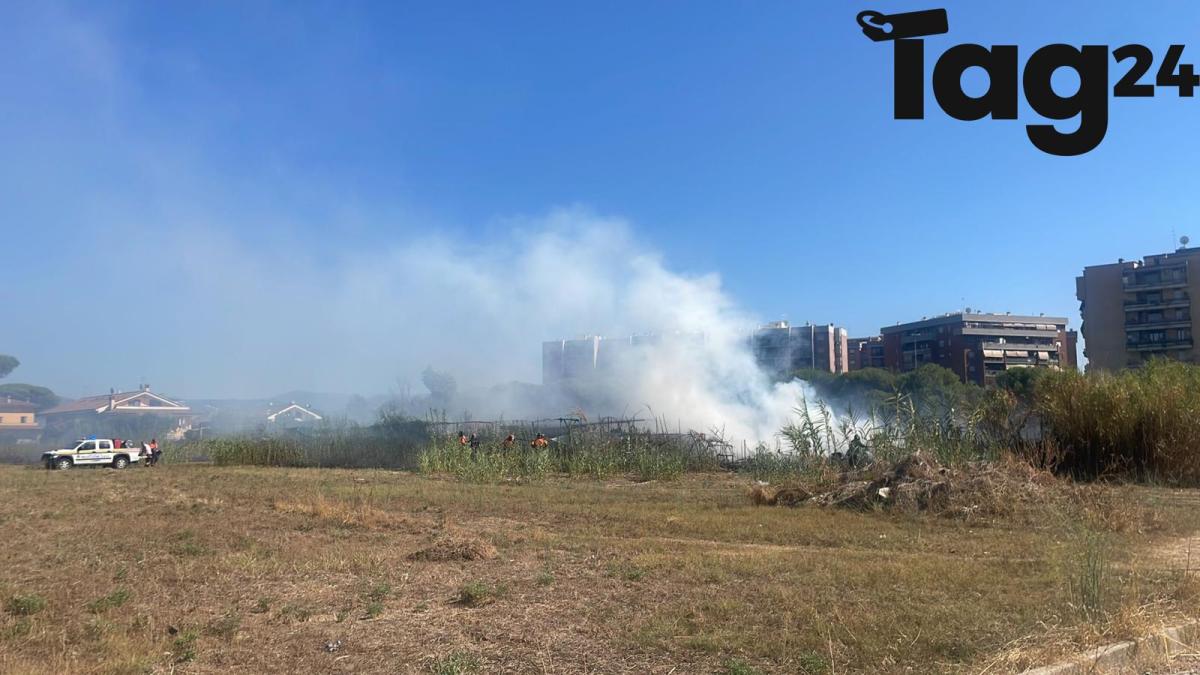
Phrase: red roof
(11, 406)
(96, 403)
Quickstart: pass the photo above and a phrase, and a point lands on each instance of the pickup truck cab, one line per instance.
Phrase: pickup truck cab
(90, 452)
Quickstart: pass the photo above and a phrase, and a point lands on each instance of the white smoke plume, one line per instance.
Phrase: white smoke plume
(266, 319)
(174, 264)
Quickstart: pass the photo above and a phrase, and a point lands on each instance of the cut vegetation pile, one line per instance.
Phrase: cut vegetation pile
(455, 547)
(918, 483)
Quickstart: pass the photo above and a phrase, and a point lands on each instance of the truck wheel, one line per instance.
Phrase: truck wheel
(62, 463)
(120, 462)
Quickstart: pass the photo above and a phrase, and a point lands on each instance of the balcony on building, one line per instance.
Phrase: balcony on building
(1144, 278)
(1156, 324)
(1181, 299)
(1159, 345)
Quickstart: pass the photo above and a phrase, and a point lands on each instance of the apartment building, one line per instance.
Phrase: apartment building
(865, 352)
(1136, 310)
(781, 348)
(582, 359)
(978, 347)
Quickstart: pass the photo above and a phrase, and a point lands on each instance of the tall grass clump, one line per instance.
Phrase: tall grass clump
(394, 442)
(576, 450)
(1140, 423)
(254, 451)
(1087, 574)
(949, 429)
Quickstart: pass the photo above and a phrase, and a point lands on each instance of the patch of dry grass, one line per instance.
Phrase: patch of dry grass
(207, 569)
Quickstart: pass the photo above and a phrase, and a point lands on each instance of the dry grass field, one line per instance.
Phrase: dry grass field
(193, 568)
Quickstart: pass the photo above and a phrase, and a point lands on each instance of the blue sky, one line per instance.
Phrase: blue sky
(749, 140)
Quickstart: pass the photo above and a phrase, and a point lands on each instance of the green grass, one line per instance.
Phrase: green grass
(457, 663)
(24, 605)
(478, 594)
(183, 647)
(1088, 574)
(740, 667)
(111, 601)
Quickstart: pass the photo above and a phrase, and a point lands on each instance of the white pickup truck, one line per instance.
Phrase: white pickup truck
(90, 452)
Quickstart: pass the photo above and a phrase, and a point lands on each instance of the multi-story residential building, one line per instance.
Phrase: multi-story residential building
(866, 352)
(780, 348)
(1133, 311)
(978, 347)
(585, 358)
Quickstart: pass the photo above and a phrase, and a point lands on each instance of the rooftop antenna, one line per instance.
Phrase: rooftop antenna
(1183, 241)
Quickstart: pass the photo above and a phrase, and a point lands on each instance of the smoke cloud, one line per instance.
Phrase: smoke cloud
(255, 320)
(182, 259)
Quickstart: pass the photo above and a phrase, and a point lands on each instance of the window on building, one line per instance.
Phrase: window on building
(24, 419)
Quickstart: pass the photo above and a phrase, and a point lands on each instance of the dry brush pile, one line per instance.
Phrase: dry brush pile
(919, 483)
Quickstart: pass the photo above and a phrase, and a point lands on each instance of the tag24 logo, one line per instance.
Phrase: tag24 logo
(1089, 103)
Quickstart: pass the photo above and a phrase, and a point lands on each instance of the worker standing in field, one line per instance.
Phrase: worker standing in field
(539, 442)
(154, 452)
(509, 440)
(462, 438)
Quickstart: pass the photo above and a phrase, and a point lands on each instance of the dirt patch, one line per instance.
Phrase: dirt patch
(455, 547)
